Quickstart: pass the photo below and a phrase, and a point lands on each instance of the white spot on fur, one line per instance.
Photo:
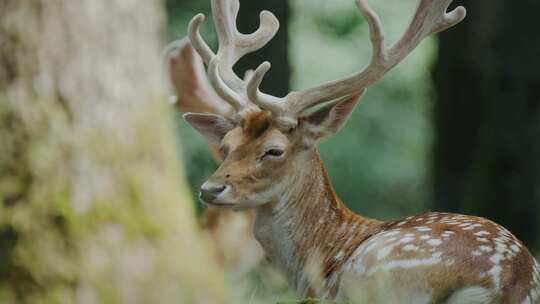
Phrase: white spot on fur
(482, 233)
(476, 253)
(384, 252)
(410, 247)
(485, 248)
(499, 240)
(495, 273)
(447, 234)
(391, 240)
(434, 242)
(496, 258)
(501, 247)
(406, 240)
(472, 227)
(391, 233)
(471, 295)
(371, 246)
(404, 264)
(515, 248)
(343, 226)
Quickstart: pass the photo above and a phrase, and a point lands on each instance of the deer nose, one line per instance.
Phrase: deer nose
(209, 192)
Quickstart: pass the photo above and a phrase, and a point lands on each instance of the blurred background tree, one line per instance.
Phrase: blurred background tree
(486, 154)
(93, 207)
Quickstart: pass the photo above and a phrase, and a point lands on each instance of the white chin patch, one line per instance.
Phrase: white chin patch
(269, 195)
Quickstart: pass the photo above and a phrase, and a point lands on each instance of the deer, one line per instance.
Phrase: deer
(271, 165)
(227, 230)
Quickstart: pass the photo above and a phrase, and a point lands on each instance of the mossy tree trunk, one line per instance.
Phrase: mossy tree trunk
(487, 116)
(92, 206)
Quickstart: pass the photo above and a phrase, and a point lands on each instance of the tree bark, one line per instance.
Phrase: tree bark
(92, 206)
(487, 116)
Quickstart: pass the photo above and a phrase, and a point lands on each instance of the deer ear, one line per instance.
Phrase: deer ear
(329, 119)
(212, 127)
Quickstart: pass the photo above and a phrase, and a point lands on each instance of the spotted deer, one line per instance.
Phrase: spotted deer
(228, 230)
(272, 166)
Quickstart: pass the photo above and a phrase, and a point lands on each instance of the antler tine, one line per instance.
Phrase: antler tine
(232, 46)
(224, 91)
(430, 17)
(280, 107)
(269, 25)
(287, 111)
(197, 40)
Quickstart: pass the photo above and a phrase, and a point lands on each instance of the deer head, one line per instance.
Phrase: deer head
(266, 137)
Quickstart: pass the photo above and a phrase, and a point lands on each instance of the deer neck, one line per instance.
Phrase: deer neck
(309, 233)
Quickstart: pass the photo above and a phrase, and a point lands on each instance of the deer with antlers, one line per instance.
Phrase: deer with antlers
(272, 166)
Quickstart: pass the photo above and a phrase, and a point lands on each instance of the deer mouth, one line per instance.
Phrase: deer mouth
(214, 203)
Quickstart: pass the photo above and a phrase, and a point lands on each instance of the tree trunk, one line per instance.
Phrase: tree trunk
(92, 208)
(487, 116)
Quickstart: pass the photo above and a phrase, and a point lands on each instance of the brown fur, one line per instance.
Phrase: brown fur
(323, 232)
(255, 124)
(517, 271)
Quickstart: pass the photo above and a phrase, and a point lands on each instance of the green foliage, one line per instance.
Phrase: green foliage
(340, 25)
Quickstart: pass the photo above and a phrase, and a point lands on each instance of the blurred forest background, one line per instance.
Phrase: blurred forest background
(455, 127)
(94, 206)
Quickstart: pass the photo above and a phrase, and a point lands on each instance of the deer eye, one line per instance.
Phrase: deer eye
(273, 153)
